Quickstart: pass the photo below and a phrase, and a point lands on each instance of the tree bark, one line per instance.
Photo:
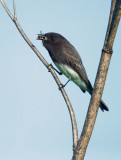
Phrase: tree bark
(100, 81)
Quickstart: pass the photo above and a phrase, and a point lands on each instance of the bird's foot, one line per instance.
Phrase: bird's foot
(61, 86)
(49, 67)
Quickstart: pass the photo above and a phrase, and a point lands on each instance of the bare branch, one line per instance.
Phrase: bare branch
(100, 81)
(72, 115)
(7, 10)
(14, 7)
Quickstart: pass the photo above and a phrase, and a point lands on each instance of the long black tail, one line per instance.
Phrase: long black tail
(103, 106)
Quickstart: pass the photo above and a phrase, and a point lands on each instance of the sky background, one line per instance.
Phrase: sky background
(34, 119)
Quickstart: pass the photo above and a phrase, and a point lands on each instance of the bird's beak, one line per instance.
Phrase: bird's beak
(42, 37)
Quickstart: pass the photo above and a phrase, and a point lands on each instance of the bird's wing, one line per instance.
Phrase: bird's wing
(74, 60)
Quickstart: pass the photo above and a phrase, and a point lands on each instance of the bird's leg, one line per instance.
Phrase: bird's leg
(62, 86)
(54, 69)
(57, 71)
(66, 83)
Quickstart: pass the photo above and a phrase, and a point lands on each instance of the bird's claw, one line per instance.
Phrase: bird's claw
(49, 67)
(61, 86)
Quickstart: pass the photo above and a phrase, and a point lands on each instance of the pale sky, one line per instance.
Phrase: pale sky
(34, 119)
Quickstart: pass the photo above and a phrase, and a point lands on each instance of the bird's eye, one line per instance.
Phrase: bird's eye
(45, 38)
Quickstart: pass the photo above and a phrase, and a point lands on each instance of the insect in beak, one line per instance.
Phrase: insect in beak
(42, 37)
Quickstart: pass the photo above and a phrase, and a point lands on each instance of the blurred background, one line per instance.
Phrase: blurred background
(34, 119)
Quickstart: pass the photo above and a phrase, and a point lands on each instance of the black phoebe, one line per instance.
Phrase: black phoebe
(68, 61)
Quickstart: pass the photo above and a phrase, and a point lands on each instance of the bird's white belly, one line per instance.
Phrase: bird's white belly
(72, 75)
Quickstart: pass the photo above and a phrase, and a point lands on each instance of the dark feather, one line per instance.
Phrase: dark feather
(62, 52)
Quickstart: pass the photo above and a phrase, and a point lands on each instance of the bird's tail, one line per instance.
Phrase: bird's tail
(103, 106)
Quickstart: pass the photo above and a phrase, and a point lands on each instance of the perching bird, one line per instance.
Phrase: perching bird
(68, 61)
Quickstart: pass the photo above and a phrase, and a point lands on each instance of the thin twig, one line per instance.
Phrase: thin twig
(100, 81)
(72, 115)
(14, 7)
(7, 10)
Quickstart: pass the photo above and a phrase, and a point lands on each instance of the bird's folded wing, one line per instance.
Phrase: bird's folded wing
(73, 59)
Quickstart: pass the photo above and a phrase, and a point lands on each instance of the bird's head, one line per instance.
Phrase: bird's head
(51, 40)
